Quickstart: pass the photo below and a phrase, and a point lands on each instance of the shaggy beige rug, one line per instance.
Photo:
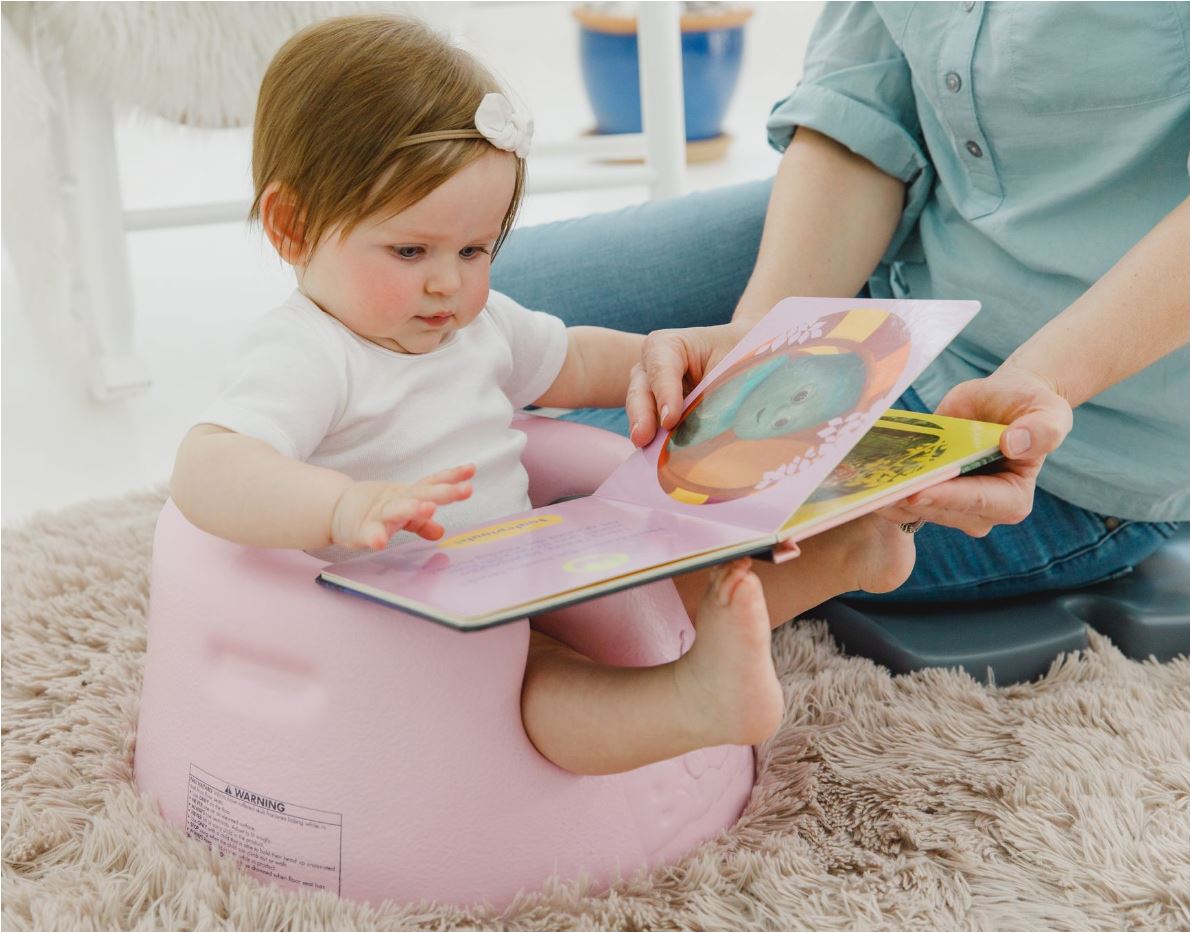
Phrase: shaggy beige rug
(923, 802)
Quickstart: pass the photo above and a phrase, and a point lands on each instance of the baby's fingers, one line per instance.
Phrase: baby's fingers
(374, 535)
(441, 493)
(641, 407)
(420, 523)
(455, 474)
(430, 530)
(402, 512)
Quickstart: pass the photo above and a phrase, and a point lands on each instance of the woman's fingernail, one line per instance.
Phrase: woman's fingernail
(1017, 442)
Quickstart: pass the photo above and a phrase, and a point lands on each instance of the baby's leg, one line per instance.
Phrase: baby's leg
(869, 553)
(593, 719)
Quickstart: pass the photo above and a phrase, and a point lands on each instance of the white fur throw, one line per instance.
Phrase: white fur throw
(197, 63)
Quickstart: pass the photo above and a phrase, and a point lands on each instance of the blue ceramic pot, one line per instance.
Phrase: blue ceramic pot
(711, 59)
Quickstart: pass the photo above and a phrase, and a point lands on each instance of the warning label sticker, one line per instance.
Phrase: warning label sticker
(294, 845)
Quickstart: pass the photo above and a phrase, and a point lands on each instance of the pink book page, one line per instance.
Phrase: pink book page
(768, 424)
(533, 555)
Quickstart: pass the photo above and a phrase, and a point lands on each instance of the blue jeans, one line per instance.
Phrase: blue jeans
(684, 262)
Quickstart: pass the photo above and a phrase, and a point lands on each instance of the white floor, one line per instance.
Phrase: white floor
(195, 288)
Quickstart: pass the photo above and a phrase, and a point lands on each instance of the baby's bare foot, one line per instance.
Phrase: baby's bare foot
(872, 554)
(882, 554)
(727, 677)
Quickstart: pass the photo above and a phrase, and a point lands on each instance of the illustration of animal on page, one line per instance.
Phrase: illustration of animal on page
(771, 410)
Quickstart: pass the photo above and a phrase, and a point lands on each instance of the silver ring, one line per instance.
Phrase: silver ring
(912, 527)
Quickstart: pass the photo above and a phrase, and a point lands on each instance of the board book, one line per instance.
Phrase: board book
(789, 435)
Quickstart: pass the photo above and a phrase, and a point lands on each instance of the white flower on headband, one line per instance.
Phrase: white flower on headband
(503, 125)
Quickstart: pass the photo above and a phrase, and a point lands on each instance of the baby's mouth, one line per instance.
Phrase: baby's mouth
(436, 320)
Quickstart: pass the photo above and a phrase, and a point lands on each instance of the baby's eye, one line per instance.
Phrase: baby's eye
(471, 252)
(408, 252)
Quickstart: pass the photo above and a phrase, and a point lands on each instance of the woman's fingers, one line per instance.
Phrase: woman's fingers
(1036, 433)
(898, 514)
(1037, 419)
(973, 504)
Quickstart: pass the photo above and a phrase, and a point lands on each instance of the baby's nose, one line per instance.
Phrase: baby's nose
(443, 280)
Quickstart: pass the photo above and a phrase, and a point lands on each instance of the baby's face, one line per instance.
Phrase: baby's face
(408, 281)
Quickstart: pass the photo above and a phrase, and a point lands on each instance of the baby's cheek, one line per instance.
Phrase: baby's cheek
(476, 298)
(384, 302)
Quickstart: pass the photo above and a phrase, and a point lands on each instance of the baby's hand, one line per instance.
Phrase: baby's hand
(368, 514)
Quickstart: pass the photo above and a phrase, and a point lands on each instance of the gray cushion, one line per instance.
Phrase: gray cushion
(1145, 613)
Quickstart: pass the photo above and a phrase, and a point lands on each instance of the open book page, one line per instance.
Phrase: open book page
(771, 421)
(522, 559)
(902, 453)
(759, 434)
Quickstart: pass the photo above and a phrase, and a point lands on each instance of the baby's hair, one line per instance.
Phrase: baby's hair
(337, 105)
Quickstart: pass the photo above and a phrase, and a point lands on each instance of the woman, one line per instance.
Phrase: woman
(1032, 156)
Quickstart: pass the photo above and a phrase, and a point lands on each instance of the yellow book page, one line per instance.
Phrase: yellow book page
(901, 449)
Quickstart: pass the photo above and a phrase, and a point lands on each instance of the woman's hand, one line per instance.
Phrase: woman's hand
(1037, 420)
(368, 514)
(672, 362)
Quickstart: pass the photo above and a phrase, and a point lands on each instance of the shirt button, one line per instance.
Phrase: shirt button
(954, 82)
(974, 148)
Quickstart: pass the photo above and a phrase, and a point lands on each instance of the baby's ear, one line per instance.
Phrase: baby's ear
(284, 222)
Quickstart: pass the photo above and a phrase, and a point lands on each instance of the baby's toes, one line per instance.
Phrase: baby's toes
(735, 574)
(747, 588)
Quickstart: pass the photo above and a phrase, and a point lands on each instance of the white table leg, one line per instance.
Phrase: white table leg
(659, 51)
(102, 288)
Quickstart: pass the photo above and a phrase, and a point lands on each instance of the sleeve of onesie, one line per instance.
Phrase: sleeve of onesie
(857, 89)
(284, 386)
(538, 344)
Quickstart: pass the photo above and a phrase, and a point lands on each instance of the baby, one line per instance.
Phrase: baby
(388, 170)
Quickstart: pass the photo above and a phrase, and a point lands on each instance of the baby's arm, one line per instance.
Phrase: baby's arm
(596, 371)
(241, 489)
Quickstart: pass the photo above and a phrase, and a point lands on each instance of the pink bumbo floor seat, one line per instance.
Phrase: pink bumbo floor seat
(332, 743)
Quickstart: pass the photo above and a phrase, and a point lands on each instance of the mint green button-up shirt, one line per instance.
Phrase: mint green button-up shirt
(1038, 142)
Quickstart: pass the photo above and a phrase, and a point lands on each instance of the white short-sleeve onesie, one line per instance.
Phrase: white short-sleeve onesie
(309, 387)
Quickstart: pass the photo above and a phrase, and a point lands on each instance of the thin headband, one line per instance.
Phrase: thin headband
(497, 121)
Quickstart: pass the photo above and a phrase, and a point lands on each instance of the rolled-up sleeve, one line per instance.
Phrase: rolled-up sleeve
(856, 89)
